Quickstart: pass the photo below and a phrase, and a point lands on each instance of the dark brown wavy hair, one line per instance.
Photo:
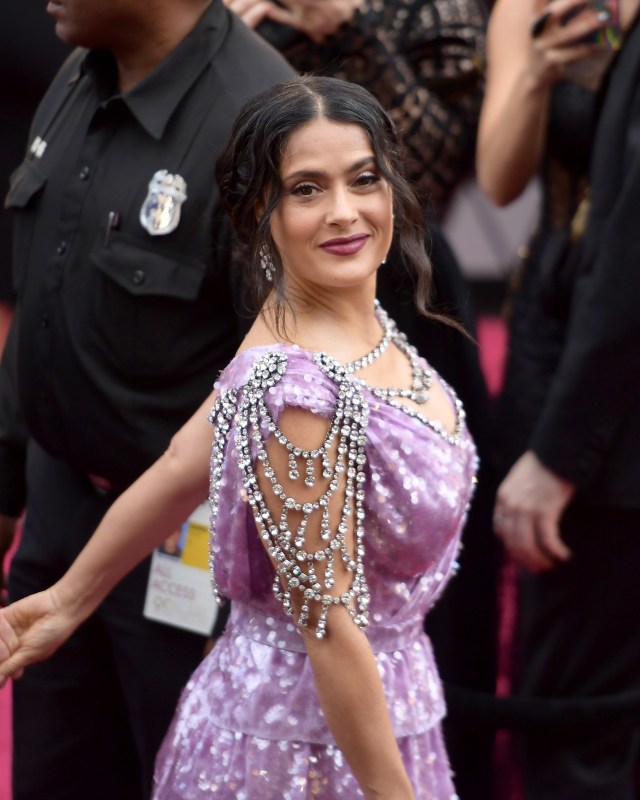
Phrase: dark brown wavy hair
(248, 173)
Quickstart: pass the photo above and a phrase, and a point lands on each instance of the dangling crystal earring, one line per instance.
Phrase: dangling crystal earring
(266, 262)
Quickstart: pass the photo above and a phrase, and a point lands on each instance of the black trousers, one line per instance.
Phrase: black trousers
(88, 722)
(581, 663)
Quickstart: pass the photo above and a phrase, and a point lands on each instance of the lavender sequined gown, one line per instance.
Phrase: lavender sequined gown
(249, 725)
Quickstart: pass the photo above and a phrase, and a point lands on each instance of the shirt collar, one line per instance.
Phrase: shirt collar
(153, 101)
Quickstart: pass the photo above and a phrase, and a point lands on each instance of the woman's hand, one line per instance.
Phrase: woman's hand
(529, 506)
(139, 520)
(555, 39)
(31, 630)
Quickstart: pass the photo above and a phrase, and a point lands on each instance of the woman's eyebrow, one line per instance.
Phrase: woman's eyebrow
(318, 173)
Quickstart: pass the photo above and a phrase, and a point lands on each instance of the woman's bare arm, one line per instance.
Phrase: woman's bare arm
(140, 519)
(521, 70)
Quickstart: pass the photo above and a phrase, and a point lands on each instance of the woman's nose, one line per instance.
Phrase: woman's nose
(342, 208)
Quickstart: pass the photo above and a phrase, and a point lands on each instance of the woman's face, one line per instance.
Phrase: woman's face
(334, 223)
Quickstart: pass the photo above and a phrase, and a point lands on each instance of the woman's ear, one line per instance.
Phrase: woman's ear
(258, 210)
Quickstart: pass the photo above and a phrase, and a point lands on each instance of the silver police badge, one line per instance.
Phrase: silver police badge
(160, 212)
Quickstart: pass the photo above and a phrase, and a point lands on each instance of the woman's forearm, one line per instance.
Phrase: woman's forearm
(513, 121)
(344, 667)
(353, 701)
(528, 53)
(141, 518)
(511, 140)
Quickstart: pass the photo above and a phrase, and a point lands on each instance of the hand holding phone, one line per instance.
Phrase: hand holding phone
(609, 36)
(576, 45)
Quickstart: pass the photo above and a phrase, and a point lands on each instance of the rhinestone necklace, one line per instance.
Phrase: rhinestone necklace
(388, 327)
(421, 378)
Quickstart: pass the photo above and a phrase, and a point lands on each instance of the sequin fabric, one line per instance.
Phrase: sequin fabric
(249, 724)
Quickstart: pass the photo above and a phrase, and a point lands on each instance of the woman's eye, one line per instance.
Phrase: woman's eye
(304, 189)
(367, 179)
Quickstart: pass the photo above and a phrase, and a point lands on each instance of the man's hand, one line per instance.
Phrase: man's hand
(529, 505)
(7, 534)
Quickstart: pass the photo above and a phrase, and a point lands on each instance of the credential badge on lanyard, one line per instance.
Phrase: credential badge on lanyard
(160, 212)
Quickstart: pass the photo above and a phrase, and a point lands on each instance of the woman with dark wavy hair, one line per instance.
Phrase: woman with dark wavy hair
(339, 478)
(252, 161)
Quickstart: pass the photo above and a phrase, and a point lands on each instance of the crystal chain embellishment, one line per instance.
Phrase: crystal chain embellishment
(221, 416)
(297, 566)
(421, 378)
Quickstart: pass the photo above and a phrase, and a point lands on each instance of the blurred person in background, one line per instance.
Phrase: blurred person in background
(563, 102)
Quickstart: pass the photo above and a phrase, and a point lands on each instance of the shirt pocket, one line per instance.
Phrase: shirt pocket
(25, 185)
(142, 308)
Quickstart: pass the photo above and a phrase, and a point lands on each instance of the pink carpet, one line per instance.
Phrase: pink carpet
(5, 694)
(5, 744)
(5, 735)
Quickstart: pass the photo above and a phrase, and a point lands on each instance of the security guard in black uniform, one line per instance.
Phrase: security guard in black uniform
(125, 316)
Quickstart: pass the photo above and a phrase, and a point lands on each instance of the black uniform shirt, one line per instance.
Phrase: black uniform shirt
(120, 334)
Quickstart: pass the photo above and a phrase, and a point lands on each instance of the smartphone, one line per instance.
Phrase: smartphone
(610, 36)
